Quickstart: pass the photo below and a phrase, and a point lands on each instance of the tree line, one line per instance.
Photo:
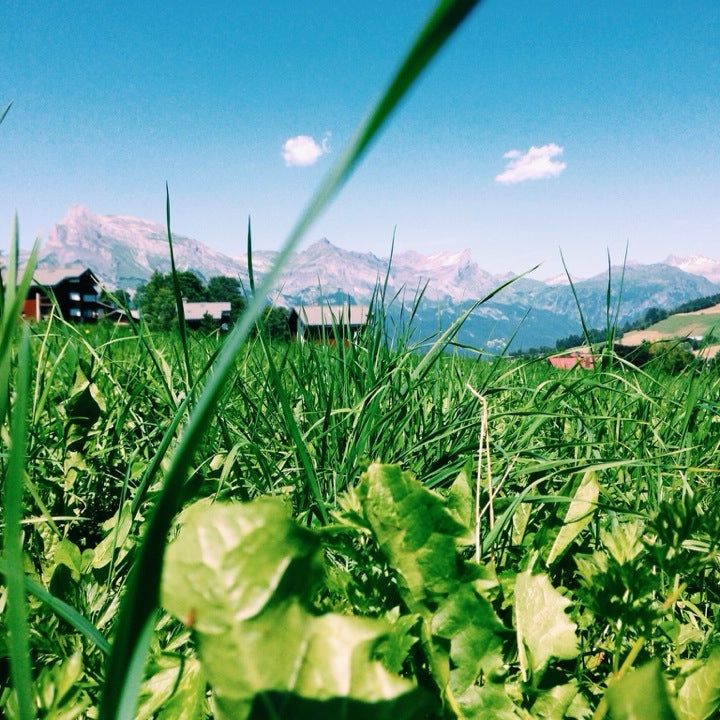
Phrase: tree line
(156, 301)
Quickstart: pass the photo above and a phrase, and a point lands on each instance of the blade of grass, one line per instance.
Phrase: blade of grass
(294, 432)
(128, 696)
(586, 332)
(18, 640)
(446, 338)
(15, 295)
(616, 317)
(608, 294)
(251, 274)
(178, 297)
(5, 112)
(66, 612)
(142, 591)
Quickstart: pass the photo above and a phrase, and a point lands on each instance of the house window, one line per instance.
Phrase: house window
(75, 297)
(75, 312)
(89, 314)
(89, 298)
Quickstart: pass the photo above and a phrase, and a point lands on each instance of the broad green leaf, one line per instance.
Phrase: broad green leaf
(469, 622)
(60, 692)
(177, 691)
(489, 702)
(83, 408)
(460, 504)
(543, 629)
(68, 554)
(699, 696)
(118, 530)
(415, 531)
(555, 703)
(578, 516)
(640, 695)
(243, 577)
(393, 649)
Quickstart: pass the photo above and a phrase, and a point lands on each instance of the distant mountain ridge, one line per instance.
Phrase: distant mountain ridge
(696, 265)
(124, 251)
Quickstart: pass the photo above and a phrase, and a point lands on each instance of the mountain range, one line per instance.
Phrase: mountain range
(123, 252)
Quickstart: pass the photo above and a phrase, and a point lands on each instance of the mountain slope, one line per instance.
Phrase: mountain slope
(124, 251)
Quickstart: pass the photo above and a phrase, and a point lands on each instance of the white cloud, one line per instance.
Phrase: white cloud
(536, 164)
(303, 150)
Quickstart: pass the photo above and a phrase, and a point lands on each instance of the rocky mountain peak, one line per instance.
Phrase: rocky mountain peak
(124, 251)
(696, 265)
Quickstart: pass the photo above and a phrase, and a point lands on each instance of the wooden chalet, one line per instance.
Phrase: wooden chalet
(327, 323)
(74, 289)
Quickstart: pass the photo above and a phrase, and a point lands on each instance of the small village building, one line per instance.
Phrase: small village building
(571, 359)
(74, 289)
(218, 312)
(327, 323)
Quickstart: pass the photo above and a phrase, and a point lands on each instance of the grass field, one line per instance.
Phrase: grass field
(594, 507)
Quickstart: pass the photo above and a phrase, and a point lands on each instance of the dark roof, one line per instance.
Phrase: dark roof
(53, 276)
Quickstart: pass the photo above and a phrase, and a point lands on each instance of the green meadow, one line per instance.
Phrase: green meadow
(433, 536)
(198, 526)
(685, 325)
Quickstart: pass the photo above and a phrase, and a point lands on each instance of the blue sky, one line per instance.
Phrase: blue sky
(621, 101)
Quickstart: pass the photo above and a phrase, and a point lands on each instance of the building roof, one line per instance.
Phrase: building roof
(198, 310)
(49, 277)
(329, 315)
(569, 359)
(53, 276)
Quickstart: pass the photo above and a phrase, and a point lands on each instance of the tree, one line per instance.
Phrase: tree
(274, 323)
(207, 324)
(191, 286)
(654, 315)
(671, 356)
(117, 298)
(156, 300)
(224, 289)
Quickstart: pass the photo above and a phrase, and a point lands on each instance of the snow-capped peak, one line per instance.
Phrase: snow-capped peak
(696, 265)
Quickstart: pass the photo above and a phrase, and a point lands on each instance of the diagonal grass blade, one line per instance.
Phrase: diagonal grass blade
(142, 591)
(18, 641)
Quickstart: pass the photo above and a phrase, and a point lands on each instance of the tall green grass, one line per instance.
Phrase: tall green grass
(291, 412)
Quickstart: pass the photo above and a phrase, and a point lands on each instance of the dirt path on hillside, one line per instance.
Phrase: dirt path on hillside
(637, 337)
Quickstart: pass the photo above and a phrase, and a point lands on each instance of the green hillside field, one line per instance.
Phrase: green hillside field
(680, 325)
(688, 324)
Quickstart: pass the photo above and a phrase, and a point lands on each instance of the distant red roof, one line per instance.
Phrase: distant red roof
(570, 361)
